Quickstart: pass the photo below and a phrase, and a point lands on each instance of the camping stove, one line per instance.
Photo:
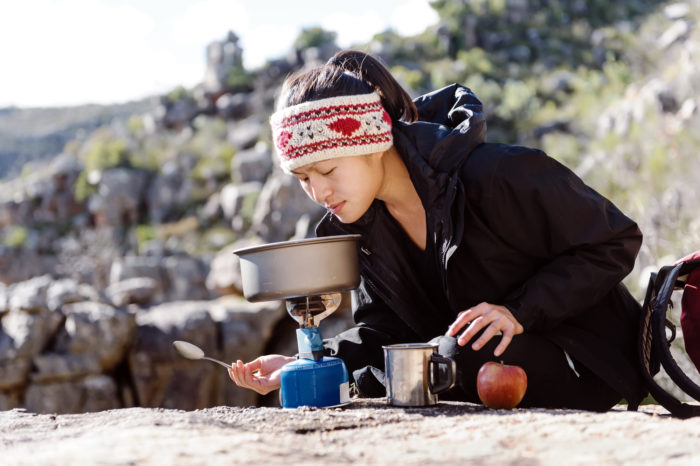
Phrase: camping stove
(313, 379)
(309, 275)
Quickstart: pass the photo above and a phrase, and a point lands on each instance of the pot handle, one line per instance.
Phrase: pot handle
(442, 385)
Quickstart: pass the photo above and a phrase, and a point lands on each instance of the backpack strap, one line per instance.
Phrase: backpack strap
(658, 329)
(654, 347)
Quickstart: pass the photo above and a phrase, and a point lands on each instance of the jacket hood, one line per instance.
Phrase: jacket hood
(451, 123)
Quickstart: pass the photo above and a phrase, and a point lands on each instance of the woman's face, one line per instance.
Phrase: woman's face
(346, 186)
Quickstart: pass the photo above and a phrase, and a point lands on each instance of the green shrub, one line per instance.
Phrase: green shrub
(179, 93)
(135, 124)
(562, 146)
(476, 61)
(15, 236)
(414, 79)
(314, 37)
(144, 233)
(83, 189)
(238, 77)
(248, 206)
(106, 153)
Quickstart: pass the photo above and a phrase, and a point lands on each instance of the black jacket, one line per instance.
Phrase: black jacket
(507, 225)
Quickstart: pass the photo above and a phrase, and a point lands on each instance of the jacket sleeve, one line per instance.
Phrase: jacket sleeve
(360, 347)
(583, 245)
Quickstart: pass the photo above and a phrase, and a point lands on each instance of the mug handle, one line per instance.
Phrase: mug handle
(442, 386)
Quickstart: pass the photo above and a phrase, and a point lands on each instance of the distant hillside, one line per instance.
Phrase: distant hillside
(39, 134)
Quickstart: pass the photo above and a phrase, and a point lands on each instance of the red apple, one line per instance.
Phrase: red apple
(501, 386)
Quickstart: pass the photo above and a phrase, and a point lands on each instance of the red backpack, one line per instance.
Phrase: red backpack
(654, 350)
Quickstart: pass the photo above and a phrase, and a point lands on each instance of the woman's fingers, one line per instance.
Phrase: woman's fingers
(505, 341)
(492, 319)
(244, 376)
(493, 329)
(261, 374)
(247, 378)
(463, 318)
(232, 372)
(255, 365)
(480, 317)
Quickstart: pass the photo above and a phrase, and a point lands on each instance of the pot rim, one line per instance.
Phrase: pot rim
(409, 346)
(296, 242)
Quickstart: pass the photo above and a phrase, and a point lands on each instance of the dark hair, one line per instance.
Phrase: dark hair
(349, 72)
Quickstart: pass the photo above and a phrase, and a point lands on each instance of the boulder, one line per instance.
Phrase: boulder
(58, 397)
(678, 31)
(234, 106)
(176, 114)
(7, 347)
(140, 267)
(138, 290)
(96, 329)
(18, 211)
(172, 188)
(676, 11)
(93, 393)
(20, 264)
(161, 377)
(221, 57)
(319, 55)
(252, 165)
(233, 196)
(30, 295)
(52, 367)
(281, 204)
(4, 299)
(58, 203)
(186, 276)
(245, 133)
(119, 197)
(14, 372)
(246, 329)
(9, 400)
(100, 393)
(67, 291)
(136, 266)
(30, 331)
(212, 210)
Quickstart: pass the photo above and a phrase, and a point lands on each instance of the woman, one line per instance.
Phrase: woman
(495, 252)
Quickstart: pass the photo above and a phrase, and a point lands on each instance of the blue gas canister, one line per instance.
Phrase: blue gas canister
(321, 383)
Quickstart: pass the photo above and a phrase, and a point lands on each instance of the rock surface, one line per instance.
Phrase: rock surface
(365, 432)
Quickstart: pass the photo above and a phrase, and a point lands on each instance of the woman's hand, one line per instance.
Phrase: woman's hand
(496, 319)
(261, 374)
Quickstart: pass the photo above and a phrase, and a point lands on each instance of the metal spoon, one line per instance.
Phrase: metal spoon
(191, 351)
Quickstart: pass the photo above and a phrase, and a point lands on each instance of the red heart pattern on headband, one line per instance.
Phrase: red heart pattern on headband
(283, 138)
(346, 126)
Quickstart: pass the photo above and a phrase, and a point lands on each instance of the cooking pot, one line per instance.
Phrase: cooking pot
(296, 268)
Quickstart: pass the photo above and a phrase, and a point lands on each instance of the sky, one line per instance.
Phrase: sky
(71, 52)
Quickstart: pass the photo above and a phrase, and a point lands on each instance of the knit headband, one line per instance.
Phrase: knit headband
(328, 128)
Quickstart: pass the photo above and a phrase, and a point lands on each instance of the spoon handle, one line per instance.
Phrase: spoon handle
(218, 362)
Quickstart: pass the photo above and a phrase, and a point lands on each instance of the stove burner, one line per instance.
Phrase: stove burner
(310, 310)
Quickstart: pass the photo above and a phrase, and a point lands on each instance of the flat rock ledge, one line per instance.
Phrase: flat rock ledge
(363, 432)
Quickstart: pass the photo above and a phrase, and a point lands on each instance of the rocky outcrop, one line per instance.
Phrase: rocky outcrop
(76, 355)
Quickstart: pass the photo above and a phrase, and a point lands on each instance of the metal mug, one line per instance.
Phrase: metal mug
(413, 375)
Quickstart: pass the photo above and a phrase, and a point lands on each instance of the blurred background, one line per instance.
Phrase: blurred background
(135, 156)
